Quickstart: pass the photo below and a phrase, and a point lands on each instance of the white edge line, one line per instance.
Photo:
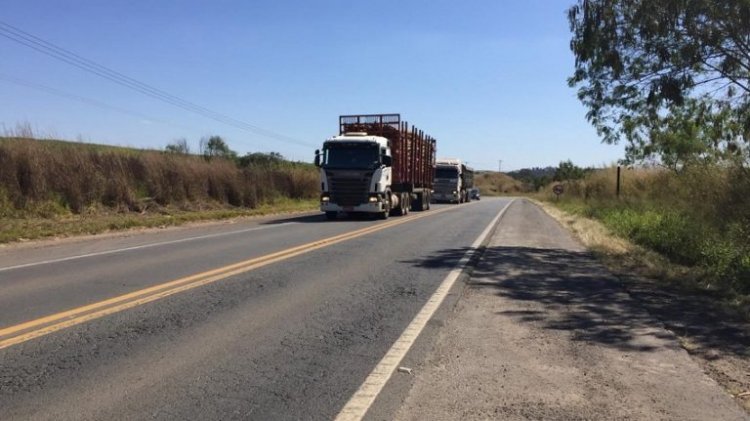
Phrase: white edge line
(142, 246)
(363, 398)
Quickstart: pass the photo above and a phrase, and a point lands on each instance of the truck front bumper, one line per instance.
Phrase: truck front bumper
(371, 207)
(445, 197)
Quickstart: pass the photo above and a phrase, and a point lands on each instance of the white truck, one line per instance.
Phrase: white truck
(453, 181)
(377, 165)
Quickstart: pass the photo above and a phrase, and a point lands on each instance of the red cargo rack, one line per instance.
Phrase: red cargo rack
(413, 151)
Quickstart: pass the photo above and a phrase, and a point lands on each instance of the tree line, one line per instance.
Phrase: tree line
(211, 147)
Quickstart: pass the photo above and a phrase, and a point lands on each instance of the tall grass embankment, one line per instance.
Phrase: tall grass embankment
(697, 217)
(59, 188)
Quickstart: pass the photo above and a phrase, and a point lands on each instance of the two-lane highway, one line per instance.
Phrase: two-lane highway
(277, 318)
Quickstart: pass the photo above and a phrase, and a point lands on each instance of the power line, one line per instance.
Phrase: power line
(84, 100)
(73, 59)
(59, 53)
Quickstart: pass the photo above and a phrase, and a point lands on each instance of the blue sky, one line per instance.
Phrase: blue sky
(487, 79)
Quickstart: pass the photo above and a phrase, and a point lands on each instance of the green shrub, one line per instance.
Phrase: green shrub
(697, 217)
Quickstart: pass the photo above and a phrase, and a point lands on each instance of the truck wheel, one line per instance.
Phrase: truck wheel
(331, 215)
(404, 205)
(387, 212)
(418, 203)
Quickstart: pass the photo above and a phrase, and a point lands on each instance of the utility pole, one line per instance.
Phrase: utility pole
(499, 165)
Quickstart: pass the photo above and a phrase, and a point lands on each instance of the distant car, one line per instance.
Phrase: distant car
(475, 194)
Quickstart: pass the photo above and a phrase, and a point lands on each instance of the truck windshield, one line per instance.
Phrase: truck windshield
(351, 155)
(446, 173)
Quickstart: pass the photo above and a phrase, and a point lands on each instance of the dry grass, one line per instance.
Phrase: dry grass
(680, 230)
(591, 233)
(76, 177)
(50, 188)
(698, 217)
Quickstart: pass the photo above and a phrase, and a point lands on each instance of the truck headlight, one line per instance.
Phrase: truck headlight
(373, 199)
(455, 192)
(324, 198)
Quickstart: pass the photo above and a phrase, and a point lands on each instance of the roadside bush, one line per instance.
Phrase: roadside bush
(669, 233)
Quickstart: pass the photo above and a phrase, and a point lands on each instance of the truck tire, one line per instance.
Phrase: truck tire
(403, 206)
(418, 204)
(387, 212)
(331, 215)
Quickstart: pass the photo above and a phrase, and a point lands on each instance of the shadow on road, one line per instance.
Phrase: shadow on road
(580, 296)
(318, 218)
(302, 219)
(447, 259)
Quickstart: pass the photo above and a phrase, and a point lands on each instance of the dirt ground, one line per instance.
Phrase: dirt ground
(544, 331)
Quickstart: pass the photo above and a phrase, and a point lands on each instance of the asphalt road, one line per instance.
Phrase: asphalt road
(544, 332)
(266, 330)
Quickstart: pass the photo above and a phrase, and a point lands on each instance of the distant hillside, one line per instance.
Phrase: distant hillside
(535, 177)
(491, 183)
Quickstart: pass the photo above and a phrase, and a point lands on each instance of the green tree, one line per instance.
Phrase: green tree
(567, 170)
(671, 77)
(215, 146)
(261, 159)
(178, 146)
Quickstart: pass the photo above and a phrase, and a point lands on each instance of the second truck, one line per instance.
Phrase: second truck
(453, 181)
(377, 165)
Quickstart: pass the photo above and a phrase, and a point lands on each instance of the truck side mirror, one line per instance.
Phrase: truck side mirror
(317, 157)
(387, 160)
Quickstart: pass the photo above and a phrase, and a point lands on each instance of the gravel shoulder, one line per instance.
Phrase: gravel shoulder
(543, 331)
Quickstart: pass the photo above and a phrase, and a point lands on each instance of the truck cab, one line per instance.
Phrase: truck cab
(355, 174)
(453, 179)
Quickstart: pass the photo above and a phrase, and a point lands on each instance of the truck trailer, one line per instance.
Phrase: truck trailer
(377, 165)
(453, 181)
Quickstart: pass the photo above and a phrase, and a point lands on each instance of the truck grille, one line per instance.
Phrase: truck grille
(349, 188)
(445, 186)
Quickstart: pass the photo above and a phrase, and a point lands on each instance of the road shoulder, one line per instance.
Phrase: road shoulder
(543, 331)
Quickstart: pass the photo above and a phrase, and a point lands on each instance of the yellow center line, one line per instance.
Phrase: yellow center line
(54, 322)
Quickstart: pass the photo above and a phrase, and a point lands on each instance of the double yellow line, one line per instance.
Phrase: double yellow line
(14, 335)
